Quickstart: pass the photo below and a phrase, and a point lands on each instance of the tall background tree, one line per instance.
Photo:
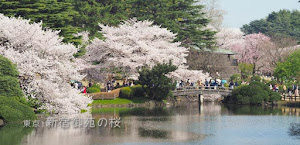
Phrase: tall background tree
(185, 18)
(281, 24)
(58, 15)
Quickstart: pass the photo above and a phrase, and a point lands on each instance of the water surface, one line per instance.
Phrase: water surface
(210, 123)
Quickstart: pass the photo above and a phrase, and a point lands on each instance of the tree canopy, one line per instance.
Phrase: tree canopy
(280, 24)
(155, 82)
(185, 18)
(289, 69)
(57, 15)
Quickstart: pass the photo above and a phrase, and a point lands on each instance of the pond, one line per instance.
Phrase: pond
(209, 123)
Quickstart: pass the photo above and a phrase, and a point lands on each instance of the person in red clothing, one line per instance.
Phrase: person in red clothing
(84, 90)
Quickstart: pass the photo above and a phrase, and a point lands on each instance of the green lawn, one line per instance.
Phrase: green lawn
(120, 101)
(109, 110)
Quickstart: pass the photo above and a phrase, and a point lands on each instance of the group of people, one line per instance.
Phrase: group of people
(292, 91)
(79, 86)
(207, 84)
(112, 84)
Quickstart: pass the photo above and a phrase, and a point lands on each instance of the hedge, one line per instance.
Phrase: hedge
(132, 92)
(14, 111)
(137, 91)
(126, 92)
(93, 90)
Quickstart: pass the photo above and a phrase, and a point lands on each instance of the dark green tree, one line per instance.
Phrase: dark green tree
(93, 12)
(56, 14)
(9, 83)
(183, 17)
(282, 24)
(155, 82)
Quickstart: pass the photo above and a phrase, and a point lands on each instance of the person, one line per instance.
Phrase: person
(231, 85)
(118, 85)
(109, 88)
(284, 89)
(84, 90)
(290, 92)
(181, 83)
(222, 83)
(90, 84)
(294, 88)
(79, 85)
(129, 84)
(206, 84)
(177, 84)
(276, 88)
(236, 84)
(297, 91)
(271, 87)
(76, 85)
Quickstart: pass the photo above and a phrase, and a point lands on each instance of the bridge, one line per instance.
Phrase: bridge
(225, 91)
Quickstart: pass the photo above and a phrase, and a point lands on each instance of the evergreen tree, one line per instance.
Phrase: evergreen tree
(155, 82)
(182, 17)
(93, 12)
(282, 24)
(56, 14)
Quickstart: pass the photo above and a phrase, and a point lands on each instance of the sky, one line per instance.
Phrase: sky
(240, 12)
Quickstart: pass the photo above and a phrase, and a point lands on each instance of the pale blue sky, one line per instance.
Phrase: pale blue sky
(240, 12)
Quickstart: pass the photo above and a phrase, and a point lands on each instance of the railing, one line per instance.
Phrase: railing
(212, 88)
(202, 90)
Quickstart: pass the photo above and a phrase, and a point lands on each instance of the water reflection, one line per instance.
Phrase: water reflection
(294, 130)
(154, 133)
(12, 134)
(185, 124)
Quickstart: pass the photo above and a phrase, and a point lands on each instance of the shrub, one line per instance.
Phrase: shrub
(256, 78)
(254, 93)
(137, 91)
(96, 86)
(226, 85)
(12, 110)
(235, 77)
(7, 68)
(126, 92)
(9, 87)
(93, 90)
(274, 96)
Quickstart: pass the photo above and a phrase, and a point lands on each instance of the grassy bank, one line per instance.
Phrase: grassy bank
(120, 101)
(109, 110)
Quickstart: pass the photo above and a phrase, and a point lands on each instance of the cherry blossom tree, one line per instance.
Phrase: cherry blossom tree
(135, 44)
(46, 65)
(252, 49)
(213, 11)
(227, 37)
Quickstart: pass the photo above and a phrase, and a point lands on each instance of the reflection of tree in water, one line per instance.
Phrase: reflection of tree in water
(252, 110)
(146, 112)
(154, 133)
(294, 130)
(12, 134)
